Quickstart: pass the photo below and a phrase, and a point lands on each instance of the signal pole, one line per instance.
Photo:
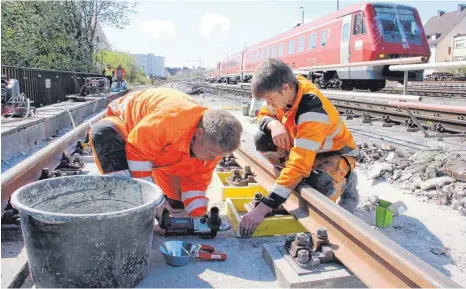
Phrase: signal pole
(338, 5)
(302, 15)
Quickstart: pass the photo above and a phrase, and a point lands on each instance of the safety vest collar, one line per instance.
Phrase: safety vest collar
(303, 87)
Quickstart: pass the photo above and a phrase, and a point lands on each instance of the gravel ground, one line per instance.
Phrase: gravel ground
(395, 168)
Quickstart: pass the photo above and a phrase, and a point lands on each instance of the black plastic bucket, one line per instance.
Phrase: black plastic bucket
(87, 231)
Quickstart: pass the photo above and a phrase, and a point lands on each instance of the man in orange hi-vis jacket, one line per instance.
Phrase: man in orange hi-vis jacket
(302, 134)
(163, 136)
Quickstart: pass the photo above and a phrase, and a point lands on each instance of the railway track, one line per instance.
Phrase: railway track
(373, 258)
(430, 118)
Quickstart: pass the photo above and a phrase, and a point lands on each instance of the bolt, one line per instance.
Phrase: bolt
(303, 256)
(301, 239)
(322, 233)
(258, 196)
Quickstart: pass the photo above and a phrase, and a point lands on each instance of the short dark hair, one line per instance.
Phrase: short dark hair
(270, 75)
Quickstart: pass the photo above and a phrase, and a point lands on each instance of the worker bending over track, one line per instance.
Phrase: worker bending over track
(302, 134)
(164, 136)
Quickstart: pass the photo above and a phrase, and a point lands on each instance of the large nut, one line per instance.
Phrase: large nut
(314, 262)
(301, 239)
(322, 233)
(303, 256)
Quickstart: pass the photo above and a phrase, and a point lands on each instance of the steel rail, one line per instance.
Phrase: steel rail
(375, 259)
(29, 170)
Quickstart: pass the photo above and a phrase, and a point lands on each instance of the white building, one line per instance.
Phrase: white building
(151, 64)
(459, 48)
(101, 40)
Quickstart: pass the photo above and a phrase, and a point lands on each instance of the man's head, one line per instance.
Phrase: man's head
(109, 65)
(217, 134)
(119, 65)
(275, 83)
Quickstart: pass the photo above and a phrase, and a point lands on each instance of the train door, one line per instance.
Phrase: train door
(345, 39)
(357, 38)
(345, 55)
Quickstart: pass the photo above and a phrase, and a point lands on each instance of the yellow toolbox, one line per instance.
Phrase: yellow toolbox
(237, 192)
(270, 226)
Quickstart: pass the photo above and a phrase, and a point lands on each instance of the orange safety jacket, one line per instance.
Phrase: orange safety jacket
(315, 125)
(160, 124)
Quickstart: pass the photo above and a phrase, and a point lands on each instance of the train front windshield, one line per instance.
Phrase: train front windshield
(398, 25)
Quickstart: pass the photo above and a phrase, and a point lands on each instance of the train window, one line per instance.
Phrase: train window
(280, 49)
(301, 44)
(262, 54)
(313, 40)
(257, 55)
(323, 41)
(291, 47)
(267, 52)
(345, 34)
(274, 51)
(359, 26)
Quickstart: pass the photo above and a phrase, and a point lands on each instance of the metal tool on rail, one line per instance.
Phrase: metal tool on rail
(206, 226)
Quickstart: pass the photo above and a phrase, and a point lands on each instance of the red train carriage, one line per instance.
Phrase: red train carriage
(362, 32)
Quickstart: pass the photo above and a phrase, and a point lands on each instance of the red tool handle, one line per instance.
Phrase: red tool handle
(207, 248)
(212, 256)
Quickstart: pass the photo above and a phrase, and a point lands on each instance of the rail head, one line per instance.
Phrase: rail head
(375, 259)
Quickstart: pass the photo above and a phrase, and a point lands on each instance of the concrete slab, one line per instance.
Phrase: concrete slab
(22, 135)
(14, 258)
(325, 276)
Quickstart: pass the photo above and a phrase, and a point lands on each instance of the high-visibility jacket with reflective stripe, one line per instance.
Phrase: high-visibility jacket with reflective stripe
(315, 126)
(161, 123)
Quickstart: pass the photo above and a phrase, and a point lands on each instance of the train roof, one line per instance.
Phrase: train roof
(324, 19)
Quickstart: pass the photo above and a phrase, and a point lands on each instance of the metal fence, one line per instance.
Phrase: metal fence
(46, 87)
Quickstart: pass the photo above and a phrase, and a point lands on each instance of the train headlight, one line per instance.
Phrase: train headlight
(381, 56)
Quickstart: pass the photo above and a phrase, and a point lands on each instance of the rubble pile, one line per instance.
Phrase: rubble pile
(433, 175)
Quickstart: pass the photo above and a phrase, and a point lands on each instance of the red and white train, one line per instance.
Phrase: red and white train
(361, 32)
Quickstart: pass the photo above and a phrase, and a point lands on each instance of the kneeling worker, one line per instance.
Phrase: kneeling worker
(301, 133)
(163, 136)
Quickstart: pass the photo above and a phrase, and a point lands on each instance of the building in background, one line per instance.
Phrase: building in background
(153, 66)
(440, 31)
(100, 39)
(459, 48)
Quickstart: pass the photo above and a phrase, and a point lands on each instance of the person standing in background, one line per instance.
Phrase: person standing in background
(108, 72)
(120, 75)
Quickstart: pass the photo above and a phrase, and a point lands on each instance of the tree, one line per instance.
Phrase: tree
(57, 34)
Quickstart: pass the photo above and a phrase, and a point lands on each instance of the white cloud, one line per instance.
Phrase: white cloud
(159, 28)
(210, 21)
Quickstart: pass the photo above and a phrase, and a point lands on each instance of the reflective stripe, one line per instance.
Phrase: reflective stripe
(197, 203)
(138, 166)
(328, 143)
(191, 194)
(149, 179)
(124, 174)
(313, 116)
(113, 106)
(306, 144)
(280, 190)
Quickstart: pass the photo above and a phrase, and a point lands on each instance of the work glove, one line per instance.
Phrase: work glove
(251, 220)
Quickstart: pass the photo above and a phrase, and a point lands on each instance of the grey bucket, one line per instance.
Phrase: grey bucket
(87, 231)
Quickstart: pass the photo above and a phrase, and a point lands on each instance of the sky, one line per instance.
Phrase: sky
(193, 33)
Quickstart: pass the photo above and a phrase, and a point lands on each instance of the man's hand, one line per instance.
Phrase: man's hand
(252, 219)
(280, 135)
(162, 207)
